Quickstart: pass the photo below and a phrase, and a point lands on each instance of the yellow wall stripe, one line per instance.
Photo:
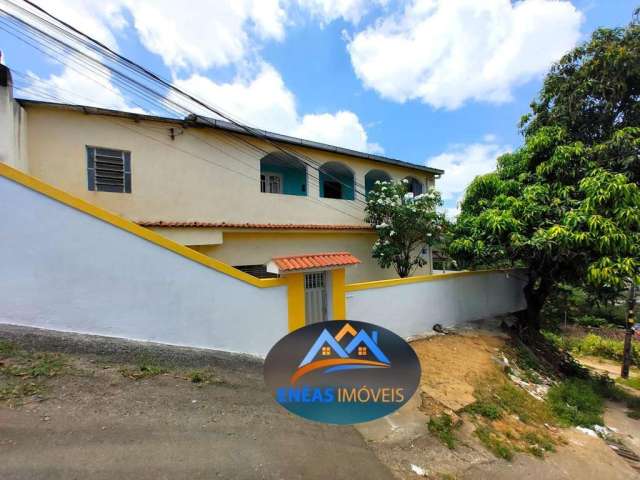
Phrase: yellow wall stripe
(338, 297)
(352, 287)
(295, 290)
(131, 227)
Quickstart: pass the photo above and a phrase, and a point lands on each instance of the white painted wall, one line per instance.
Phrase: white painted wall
(13, 125)
(414, 308)
(65, 270)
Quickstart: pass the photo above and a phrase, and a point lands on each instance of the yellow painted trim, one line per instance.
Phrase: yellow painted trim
(353, 287)
(295, 292)
(339, 301)
(133, 228)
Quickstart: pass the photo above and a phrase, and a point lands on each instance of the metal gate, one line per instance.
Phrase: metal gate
(315, 297)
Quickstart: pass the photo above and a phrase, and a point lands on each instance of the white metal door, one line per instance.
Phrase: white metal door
(315, 297)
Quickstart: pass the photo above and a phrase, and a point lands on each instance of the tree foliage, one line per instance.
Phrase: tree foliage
(405, 224)
(566, 205)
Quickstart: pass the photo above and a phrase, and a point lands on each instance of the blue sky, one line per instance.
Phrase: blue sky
(441, 82)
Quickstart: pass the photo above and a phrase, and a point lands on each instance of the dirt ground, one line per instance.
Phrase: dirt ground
(93, 422)
(452, 364)
(467, 358)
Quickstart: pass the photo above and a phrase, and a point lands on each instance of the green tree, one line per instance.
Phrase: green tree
(565, 205)
(405, 224)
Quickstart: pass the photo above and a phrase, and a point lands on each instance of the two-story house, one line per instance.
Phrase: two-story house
(245, 198)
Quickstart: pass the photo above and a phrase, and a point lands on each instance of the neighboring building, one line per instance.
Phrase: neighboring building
(226, 193)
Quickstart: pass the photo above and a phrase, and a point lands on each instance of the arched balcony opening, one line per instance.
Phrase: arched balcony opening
(374, 176)
(414, 185)
(283, 173)
(336, 181)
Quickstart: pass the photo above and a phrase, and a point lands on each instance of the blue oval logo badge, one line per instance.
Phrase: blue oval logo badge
(342, 372)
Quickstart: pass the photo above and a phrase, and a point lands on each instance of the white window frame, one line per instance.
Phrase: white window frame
(264, 178)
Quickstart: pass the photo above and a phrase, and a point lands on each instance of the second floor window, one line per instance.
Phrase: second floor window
(108, 170)
(270, 183)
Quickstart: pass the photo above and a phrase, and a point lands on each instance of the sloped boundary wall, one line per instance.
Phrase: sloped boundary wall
(64, 269)
(412, 306)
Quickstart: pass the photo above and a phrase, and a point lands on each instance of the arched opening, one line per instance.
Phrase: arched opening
(283, 173)
(374, 176)
(336, 181)
(414, 185)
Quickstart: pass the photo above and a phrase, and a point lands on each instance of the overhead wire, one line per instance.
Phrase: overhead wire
(102, 49)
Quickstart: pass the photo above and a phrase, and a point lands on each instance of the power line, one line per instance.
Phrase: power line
(102, 49)
(238, 145)
(101, 72)
(252, 179)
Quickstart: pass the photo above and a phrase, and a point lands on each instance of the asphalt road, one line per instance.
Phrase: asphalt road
(96, 423)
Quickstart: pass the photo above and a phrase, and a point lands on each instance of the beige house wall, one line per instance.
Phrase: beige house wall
(204, 174)
(254, 248)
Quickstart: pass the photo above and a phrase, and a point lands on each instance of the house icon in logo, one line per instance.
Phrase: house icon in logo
(334, 353)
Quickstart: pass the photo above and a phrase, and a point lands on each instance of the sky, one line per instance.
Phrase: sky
(441, 83)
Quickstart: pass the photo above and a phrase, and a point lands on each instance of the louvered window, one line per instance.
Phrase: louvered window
(108, 170)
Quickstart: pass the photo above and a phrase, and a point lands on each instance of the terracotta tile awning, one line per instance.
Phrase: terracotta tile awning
(257, 226)
(313, 261)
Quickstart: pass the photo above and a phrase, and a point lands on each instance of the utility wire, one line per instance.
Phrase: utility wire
(251, 178)
(101, 72)
(100, 48)
(45, 91)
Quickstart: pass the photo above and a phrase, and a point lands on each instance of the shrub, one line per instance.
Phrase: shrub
(590, 321)
(576, 402)
(597, 346)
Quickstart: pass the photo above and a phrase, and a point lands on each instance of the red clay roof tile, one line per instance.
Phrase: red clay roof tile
(315, 260)
(266, 226)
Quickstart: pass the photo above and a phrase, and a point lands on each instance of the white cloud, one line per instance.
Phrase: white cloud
(96, 18)
(199, 35)
(264, 101)
(342, 128)
(330, 10)
(445, 53)
(462, 163)
(204, 34)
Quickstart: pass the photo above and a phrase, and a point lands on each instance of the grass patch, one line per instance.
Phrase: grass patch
(486, 409)
(497, 396)
(19, 390)
(509, 420)
(494, 442)
(576, 402)
(37, 365)
(8, 349)
(442, 427)
(204, 376)
(633, 382)
(142, 371)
